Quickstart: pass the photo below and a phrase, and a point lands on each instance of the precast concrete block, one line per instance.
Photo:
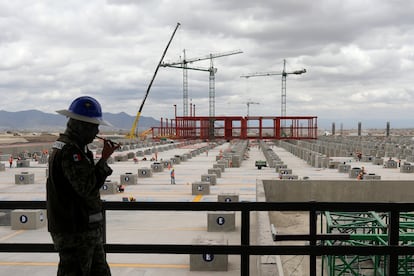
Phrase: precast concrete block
(324, 162)
(4, 157)
(208, 261)
(27, 219)
(280, 167)
(210, 178)
(109, 188)
(236, 161)
(215, 171)
(407, 168)
(175, 160)
(145, 172)
(24, 178)
(43, 159)
(380, 153)
(367, 158)
(187, 156)
(121, 157)
(166, 163)
(228, 198)
(5, 217)
(333, 164)
(221, 221)
(344, 168)
(224, 162)
(285, 171)
(289, 177)
(219, 166)
(157, 167)
(372, 176)
(23, 163)
(200, 188)
(140, 153)
(353, 173)
(276, 162)
(410, 158)
(130, 155)
(391, 164)
(148, 152)
(377, 161)
(129, 179)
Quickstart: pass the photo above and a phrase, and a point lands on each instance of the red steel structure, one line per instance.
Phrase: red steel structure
(238, 127)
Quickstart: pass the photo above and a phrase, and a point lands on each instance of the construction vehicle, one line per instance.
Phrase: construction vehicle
(132, 132)
(143, 135)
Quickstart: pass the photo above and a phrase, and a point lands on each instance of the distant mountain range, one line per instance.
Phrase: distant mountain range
(34, 120)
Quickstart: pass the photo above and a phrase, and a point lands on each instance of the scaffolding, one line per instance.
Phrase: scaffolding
(365, 229)
(238, 127)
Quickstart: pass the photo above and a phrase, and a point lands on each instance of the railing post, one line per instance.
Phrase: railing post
(245, 242)
(312, 242)
(393, 239)
(104, 228)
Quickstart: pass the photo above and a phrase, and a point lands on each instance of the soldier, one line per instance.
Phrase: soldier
(74, 206)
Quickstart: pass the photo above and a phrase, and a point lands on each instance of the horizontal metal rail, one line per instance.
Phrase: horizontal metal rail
(393, 249)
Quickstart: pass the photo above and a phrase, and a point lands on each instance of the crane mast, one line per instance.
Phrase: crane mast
(248, 106)
(184, 64)
(284, 75)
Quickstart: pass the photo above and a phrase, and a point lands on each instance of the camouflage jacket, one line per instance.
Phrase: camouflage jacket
(72, 188)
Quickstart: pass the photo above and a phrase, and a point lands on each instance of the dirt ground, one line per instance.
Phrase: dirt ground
(10, 139)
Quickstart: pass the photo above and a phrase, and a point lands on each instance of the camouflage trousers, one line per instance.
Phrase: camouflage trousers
(81, 254)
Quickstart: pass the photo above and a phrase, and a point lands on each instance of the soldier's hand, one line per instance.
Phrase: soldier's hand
(108, 148)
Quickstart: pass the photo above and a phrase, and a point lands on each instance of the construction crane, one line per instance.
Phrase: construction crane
(284, 75)
(212, 72)
(132, 133)
(248, 106)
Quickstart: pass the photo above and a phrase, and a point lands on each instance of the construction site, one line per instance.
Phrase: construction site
(285, 172)
(251, 195)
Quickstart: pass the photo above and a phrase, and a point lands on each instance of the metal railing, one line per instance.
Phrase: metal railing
(313, 249)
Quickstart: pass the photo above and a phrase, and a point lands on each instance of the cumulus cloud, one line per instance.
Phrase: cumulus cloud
(359, 56)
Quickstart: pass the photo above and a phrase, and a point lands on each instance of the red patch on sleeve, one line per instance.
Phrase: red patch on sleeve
(77, 157)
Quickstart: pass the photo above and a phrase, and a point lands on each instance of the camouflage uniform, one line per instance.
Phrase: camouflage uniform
(74, 207)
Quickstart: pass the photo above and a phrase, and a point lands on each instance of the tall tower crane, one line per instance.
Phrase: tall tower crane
(212, 72)
(284, 75)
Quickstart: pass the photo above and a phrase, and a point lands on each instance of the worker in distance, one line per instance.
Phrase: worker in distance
(74, 206)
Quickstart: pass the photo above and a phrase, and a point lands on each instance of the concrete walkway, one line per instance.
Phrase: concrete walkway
(142, 227)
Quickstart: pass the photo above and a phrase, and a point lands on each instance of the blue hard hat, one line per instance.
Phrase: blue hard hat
(85, 109)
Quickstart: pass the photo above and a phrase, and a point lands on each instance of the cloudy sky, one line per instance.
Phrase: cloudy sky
(359, 57)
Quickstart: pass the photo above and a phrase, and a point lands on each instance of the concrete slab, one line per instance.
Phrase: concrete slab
(164, 227)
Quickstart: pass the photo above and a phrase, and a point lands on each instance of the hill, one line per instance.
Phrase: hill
(35, 120)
